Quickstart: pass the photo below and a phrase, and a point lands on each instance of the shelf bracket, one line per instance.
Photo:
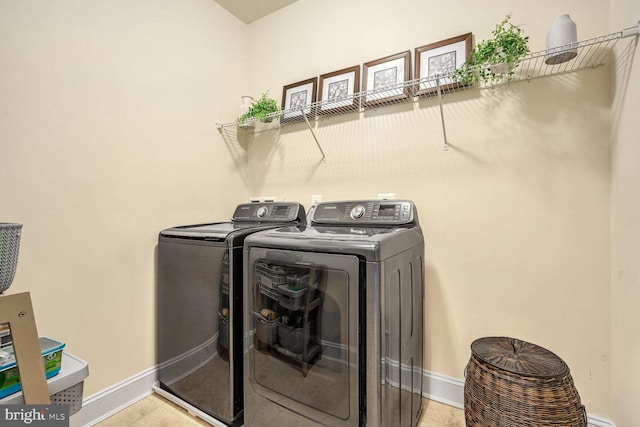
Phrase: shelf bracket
(444, 129)
(312, 133)
(631, 31)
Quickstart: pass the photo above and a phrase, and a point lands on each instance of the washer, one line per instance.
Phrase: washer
(334, 318)
(199, 309)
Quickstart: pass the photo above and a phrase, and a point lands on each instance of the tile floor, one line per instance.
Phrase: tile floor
(154, 410)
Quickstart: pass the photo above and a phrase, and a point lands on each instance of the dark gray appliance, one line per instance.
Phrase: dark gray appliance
(199, 308)
(334, 318)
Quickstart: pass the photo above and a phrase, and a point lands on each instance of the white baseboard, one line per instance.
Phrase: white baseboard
(99, 406)
(599, 422)
(109, 401)
(443, 389)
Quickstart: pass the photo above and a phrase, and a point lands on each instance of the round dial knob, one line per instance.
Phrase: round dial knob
(262, 211)
(357, 212)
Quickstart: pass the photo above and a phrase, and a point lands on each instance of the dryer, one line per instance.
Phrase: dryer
(199, 309)
(334, 318)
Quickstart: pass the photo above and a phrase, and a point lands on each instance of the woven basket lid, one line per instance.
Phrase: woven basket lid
(519, 357)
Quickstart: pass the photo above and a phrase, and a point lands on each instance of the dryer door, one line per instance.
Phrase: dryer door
(302, 321)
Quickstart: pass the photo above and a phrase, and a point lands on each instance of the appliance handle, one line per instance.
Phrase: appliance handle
(286, 257)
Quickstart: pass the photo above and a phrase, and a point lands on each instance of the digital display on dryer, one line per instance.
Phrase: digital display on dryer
(386, 210)
(280, 211)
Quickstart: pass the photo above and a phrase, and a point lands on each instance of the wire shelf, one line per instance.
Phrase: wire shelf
(589, 53)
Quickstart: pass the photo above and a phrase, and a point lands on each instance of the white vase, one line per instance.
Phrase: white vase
(246, 104)
(562, 41)
(244, 108)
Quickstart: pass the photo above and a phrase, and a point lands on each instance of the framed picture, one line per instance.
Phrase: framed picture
(440, 59)
(297, 99)
(336, 90)
(382, 79)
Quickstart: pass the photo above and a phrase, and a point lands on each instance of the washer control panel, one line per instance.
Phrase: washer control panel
(373, 212)
(269, 212)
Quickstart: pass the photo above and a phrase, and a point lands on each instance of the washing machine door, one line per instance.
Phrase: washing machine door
(302, 323)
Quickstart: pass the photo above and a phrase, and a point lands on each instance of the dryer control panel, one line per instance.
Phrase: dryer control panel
(374, 212)
(269, 212)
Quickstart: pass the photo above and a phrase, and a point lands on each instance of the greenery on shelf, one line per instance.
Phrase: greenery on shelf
(491, 59)
(262, 110)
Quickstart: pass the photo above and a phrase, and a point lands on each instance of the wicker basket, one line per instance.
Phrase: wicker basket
(513, 383)
(9, 248)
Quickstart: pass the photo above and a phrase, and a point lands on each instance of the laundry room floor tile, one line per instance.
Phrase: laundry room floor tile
(154, 410)
(437, 414)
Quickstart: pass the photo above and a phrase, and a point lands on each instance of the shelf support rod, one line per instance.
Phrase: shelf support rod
(444, 129)
(312, 132)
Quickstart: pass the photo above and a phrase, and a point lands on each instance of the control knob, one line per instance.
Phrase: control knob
(357, 212)
(262, 211)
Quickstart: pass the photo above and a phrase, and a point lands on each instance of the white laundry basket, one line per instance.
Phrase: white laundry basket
(65, 388)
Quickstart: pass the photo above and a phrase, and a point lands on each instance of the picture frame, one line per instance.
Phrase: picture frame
(440, 59)
(298, 99)
(383, 79)
(336, 90)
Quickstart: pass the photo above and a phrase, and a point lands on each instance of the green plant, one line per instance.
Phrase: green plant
(508, 46)
(260, 109)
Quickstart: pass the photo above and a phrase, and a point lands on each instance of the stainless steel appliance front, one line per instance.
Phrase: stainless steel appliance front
(199, 309)
(334, 319)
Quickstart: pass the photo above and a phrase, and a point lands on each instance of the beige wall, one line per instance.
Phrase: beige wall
(625, 224)
(107, 136)
(515, 213)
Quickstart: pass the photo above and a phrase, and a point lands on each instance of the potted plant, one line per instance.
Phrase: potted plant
(263, 109)
(491, 59)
